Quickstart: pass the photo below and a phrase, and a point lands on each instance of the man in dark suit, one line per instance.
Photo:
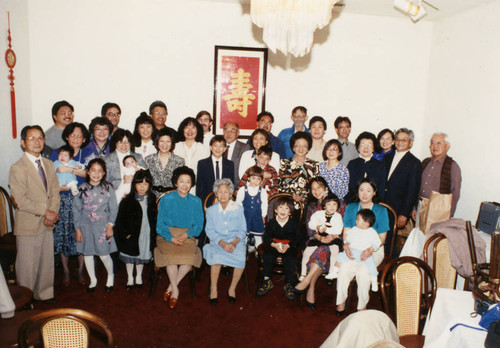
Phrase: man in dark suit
(403, 180)
(234, 147)
(35, 189)
(213, 168)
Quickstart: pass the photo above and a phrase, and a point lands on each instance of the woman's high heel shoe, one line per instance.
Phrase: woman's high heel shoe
(299, 292)
(311, 305)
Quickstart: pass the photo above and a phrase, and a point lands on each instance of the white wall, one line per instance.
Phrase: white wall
(464, 100)
(382, 72)
(10, 148)
(373, 69)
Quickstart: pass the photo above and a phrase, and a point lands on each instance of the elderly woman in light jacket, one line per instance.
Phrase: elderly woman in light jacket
(226, 228)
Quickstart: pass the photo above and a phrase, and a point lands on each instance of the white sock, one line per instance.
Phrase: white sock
(138, 276)
(89, 266)
(108, 264)
(130, 273)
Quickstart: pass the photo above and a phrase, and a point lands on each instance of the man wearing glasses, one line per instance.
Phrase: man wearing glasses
(35, 189)
(62, 115)
(299, 118)
(112, 112)
(404, 173)
(158, 112)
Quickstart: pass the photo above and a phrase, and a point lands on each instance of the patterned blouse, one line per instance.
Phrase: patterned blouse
(337, 178)
(162, 176)
(294, 177)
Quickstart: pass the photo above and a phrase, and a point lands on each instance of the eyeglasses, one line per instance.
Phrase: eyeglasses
(332, 149)
(35, 138)
(366, 146)
(402, 140)
(75, 136)
(113, 114)
(159, 113)
(65, 113)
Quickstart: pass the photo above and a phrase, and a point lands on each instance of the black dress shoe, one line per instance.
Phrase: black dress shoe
(108, 288)
(129, 287)
(231, 299)
(340, 313)
(49, 301)
(310, 305)
(213, 301)
(90, 289)
(138, 286)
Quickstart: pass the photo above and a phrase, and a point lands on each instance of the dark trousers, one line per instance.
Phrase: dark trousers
(289, 263)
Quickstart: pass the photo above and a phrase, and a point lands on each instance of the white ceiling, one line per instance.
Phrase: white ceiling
(384, 7)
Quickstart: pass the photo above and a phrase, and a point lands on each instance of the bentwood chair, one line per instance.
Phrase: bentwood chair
(8, 249)
(437, 255)
(157, 271)
(394, 227)
(64, 327)
(408, 288)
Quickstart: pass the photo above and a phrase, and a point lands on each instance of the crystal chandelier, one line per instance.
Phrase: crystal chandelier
(289, 25)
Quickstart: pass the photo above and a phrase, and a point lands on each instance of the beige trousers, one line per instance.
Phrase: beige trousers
(35, 264)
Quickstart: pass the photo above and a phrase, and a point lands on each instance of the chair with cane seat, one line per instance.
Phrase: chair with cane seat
(64, 327)
(408, 288)
(439, 260)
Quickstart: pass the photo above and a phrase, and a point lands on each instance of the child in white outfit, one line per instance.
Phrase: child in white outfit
(130, 166)
(326, 222)
(360, 238)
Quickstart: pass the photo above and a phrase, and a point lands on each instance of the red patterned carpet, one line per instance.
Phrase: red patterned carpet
(271, 320)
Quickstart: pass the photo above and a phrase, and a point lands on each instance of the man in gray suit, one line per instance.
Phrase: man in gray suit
(234, 147)
(35, 189)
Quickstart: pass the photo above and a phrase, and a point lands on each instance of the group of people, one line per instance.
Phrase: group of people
(93, 192)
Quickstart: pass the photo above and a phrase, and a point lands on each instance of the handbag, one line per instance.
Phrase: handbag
(436, 208)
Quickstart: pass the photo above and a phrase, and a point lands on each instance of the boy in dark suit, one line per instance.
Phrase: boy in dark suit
(213, 168)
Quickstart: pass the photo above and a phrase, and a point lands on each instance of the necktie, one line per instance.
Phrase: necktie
(217, 170)
(226, 152)
(41, 173)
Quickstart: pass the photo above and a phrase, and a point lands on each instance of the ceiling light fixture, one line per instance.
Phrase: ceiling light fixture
(289, 25)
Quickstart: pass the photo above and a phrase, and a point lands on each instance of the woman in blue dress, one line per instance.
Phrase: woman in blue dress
(180, 221)
(226, 227)
(77, 136)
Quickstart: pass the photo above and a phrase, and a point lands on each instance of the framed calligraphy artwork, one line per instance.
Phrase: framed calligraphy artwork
(239, 87)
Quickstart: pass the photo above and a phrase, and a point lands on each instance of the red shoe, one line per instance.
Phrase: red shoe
(172, 303)
(166, 295)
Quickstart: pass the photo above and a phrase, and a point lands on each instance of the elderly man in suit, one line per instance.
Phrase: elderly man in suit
(35, 189)
(213, 168)
(403, 180)
(234, 147)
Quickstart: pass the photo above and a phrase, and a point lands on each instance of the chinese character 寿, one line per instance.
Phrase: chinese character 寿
(239, 99)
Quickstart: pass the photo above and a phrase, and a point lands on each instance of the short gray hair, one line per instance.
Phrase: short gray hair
(224, 181)
(410, 133)
(446, 137)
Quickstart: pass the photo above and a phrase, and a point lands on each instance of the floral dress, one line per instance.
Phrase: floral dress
(93, 209)
(295, 177)
(321, 255)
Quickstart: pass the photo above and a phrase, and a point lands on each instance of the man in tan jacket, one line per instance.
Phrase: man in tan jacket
(35, 189)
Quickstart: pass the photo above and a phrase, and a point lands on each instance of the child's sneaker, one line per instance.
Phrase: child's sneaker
(266, 286)
(333, 274)
(288, 292)
(374, 285)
